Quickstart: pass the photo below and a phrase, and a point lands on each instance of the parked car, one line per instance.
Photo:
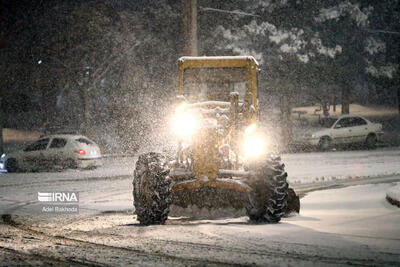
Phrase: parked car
(54, 151)
(346, 129)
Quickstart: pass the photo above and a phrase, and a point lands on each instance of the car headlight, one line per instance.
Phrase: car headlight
(184, 124)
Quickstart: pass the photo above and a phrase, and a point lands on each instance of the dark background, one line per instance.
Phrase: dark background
(108, 68)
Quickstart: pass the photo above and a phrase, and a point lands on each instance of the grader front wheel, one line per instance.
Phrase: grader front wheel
(151, 189)
(268, 200)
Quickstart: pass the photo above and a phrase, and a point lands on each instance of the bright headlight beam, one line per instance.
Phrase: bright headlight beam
(254, 146)
(250, 129)
(184, 124)
(181, 108)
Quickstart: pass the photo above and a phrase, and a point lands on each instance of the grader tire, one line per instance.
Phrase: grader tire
(151, 189)
(293, 202)
(268, 200)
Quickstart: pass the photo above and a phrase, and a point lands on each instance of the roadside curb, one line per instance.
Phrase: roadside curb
(393, 195)
(393, 201)
(304, 189)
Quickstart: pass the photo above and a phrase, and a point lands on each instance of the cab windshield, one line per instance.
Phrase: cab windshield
(214, 84)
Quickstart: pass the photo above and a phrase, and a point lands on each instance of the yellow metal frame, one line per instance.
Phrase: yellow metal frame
(247, 62)
(250, 65)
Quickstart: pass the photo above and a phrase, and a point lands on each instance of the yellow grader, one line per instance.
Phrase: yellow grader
(222, 160)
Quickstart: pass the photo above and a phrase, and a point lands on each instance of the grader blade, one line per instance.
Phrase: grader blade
(210, 198)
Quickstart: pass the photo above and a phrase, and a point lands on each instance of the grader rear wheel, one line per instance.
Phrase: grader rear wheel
(267, 202)
(151, 189)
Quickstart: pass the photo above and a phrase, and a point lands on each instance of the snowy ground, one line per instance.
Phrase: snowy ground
(321, 166)
(340, 226)
(106, 188)
(354, 108)
(346, 226)
(109, 188)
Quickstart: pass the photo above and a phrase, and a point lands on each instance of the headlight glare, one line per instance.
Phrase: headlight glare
(184, 124)
(181, 108)
(254, 146)
(250, 129)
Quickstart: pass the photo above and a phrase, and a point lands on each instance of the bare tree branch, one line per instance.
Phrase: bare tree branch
(382, 31)
(241, 13)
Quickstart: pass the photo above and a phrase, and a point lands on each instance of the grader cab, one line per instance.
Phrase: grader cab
(222, 159)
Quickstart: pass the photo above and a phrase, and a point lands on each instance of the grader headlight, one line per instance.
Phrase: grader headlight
(184, 123)
(254, 143)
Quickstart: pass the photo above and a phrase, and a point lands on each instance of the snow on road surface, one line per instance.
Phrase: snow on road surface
(353, 225)
(323, 166)
(109, 187)
(356, 212)
(106, 188)
(112, 167)
(346, 226)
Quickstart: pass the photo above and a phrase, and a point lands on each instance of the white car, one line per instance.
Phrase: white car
(346, 129)
(54, 151)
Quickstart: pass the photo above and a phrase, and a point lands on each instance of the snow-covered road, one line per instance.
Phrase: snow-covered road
(109, 188)
(341, 226)
(346, 226)
(327, 166)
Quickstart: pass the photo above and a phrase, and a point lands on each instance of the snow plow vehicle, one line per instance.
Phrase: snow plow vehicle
(222, 158)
